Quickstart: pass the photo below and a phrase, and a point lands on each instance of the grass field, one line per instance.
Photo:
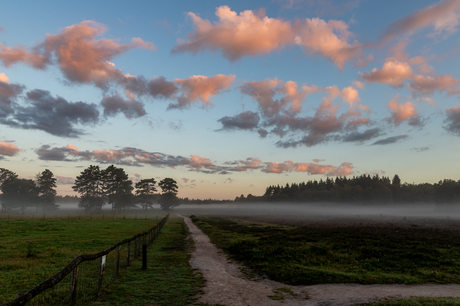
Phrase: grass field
(349, 254)
(33, 250)
(169, 280)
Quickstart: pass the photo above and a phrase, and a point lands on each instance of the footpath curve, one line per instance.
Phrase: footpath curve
(226, 285)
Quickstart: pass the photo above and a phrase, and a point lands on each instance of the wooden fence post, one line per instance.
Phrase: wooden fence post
(127, 257)
(73, 286)
(144, 254)
(135, 248)
(117, 265)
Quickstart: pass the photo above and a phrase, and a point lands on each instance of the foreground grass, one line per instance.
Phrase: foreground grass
(419, 302)
(168, 280)
(352, 254)
(33, 250)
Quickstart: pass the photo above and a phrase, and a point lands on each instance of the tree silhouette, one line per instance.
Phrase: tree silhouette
(19, 193)
(117, 187)
(145, 191)
(89, 186)
(46, 182)
(168, 199)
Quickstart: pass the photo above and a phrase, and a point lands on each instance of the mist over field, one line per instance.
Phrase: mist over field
(302, 210)
(295, 213)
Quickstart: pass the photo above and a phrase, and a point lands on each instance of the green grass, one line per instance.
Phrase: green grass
(168, 280)
(326, 254)
(418, 302)
(33, 250)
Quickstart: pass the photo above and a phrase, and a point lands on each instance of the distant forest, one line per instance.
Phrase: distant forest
(364, 188)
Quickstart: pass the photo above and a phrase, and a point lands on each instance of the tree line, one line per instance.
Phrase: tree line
(96, 187)
(363, 188)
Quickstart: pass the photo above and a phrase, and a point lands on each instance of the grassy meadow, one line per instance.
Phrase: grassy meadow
(168, 281)
(33, 250)
(311, 255)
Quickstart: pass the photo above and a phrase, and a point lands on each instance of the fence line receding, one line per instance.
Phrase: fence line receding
(78, 283)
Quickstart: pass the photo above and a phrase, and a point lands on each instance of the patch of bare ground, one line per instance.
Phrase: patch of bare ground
(228, 285)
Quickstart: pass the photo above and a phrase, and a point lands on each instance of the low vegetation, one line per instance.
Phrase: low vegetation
(348, 254)
(33, 250)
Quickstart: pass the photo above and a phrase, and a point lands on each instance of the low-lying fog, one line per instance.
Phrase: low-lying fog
(295, 211)
(303, 210)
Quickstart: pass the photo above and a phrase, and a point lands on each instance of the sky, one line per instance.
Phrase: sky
(230, 97)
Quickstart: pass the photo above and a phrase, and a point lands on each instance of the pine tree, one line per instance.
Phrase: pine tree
(145, 191)
(117, 187)
(46, 182)
(168, 198)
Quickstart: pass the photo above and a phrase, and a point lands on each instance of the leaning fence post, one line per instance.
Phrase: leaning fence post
(135, 248)
(73, 285)
(103, 260)
(144, 254)
(127, 257)
(117, 265)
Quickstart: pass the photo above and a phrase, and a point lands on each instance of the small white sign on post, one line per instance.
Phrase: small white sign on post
(103, 261)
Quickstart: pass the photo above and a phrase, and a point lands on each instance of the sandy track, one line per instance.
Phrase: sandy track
(227, 286)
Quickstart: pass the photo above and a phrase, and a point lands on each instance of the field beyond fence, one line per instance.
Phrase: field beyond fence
(31, 252)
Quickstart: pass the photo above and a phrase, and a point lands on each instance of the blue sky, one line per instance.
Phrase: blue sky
(230, 97)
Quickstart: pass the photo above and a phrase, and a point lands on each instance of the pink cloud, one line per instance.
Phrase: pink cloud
(403, 112)
(201, 88)
(443, 16)
(8, 149)
(282, 113)
(71, 147)
(246, 34)
(81, 57)
(330, 39)
(137, 42)
(185, 179)
(313, 169)
(427, 85)
(244, 165)
(198, 162)
(393, 72)
(137, 157)
(264, 93)
(4, 78)
(11, 56)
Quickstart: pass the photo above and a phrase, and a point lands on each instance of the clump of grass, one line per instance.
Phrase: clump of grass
(348, 254)
(30, 251)
(281, 293)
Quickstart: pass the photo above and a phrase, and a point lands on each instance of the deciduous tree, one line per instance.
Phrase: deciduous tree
(89, 186)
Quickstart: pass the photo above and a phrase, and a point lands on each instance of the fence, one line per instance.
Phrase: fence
(84, 277)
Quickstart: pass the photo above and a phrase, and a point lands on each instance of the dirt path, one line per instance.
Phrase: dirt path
(227, 286)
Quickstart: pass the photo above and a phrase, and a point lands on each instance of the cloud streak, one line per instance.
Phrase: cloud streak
(136, 157)
(443, 17)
